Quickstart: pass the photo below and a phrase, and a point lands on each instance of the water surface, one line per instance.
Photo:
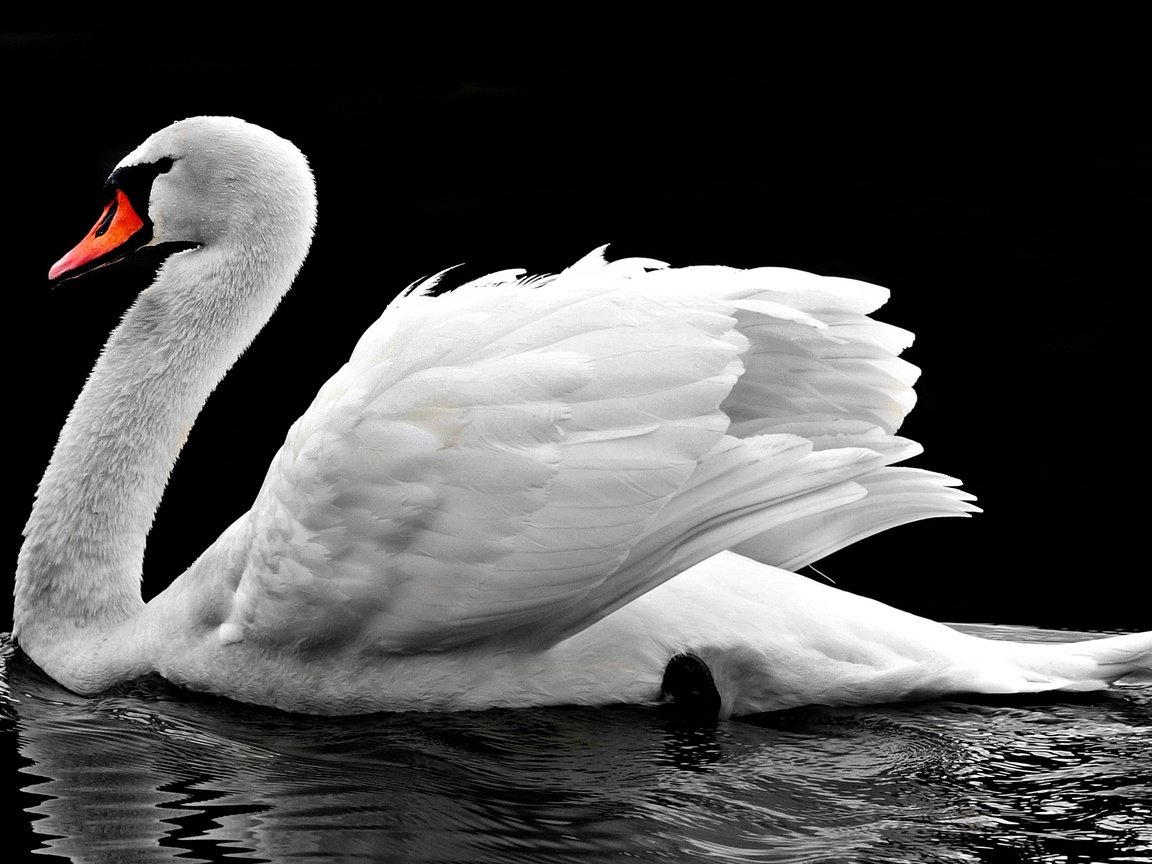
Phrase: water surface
(154, 774)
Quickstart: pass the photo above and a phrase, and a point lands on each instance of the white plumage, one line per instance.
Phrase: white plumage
(520, 492)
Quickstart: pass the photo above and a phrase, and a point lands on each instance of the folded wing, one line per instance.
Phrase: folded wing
(517, 458)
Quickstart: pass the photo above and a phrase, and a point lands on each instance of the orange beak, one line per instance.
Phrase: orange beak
(117, 224)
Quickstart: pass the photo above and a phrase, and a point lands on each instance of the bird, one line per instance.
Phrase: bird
(586, 488)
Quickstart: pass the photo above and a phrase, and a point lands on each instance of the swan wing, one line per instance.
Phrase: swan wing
(523, 456)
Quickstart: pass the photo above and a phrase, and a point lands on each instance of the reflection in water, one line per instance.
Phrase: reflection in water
(152, 773)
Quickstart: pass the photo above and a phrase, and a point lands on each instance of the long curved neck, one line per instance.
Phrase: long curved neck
(79, 569)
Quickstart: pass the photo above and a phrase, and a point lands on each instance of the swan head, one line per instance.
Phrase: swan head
(203, 181)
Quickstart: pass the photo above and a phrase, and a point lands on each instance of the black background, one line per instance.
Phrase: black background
(993, 173)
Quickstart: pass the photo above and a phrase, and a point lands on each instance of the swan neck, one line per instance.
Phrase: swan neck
(80, 566)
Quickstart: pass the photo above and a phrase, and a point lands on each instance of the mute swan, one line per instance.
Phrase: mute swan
(523, 492)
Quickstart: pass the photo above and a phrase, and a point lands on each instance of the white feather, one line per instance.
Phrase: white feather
(517, 493)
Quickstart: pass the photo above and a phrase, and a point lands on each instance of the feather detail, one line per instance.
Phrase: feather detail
(527, 455)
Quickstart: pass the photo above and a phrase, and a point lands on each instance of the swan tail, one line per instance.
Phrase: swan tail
(1093, 664)
(790, 641)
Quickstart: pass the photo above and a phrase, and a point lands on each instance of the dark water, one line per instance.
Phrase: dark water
(153, 774)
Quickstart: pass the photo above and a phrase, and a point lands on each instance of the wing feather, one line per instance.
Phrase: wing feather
(523, 456)
(441, 470)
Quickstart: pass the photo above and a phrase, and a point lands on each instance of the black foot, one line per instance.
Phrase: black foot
(689, 687)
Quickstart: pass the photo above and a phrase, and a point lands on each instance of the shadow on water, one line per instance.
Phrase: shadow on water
(151, 773)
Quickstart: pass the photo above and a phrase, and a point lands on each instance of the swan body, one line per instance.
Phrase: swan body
(522, 492)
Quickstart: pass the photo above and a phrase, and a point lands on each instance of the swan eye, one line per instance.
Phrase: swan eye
(136, 180)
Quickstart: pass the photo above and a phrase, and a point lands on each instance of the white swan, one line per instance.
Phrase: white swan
(519, 493)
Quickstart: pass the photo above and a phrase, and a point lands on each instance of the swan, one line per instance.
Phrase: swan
(586, 488)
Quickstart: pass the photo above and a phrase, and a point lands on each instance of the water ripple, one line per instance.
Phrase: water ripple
(150, 773)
